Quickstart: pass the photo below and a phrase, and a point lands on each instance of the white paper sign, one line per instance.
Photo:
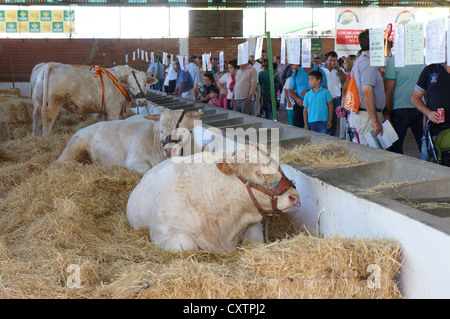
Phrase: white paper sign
(221, 61)
(165, 62)
(306, 52)
(152, 57)
(435, 41)
(413, 44)
(448, 42)
(376, 46)
(258, 48)
(283, 51)
(242, 53)
(293, 50)
(399, 47)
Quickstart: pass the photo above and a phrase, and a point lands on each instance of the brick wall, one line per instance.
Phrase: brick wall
(19, 56)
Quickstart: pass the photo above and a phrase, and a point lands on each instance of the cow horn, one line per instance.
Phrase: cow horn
(192, 114)
(154, 117)
(225, 168)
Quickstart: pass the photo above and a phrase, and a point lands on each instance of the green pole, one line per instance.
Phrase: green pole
(272, 82)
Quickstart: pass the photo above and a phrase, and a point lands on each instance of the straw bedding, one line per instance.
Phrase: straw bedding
(53, 216)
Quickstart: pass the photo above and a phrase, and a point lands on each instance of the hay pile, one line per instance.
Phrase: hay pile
(57, 218)
(16, 115)
(318, 155)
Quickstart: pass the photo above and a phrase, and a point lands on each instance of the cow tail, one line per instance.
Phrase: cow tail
(46, 75)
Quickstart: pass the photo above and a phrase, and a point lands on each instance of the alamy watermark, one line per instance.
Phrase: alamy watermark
(223, 143)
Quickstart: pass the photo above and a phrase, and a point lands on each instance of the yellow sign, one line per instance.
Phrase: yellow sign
(37, 21)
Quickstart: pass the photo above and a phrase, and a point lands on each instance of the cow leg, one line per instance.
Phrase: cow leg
(76, 150)
(177, 242)
(141, 167)
(37, 120)
(49, 117)
(254, 232)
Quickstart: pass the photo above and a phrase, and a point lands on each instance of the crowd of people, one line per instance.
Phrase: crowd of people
(312, 97)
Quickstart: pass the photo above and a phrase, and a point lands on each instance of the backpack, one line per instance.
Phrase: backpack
(351, 99)
(443, 147)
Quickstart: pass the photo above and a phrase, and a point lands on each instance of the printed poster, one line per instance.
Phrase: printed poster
(37, 21)
(306, 52)
(414, 44)
(376, 47)
(293, 50)
(242, 53)
(435, 41)
(399, 49)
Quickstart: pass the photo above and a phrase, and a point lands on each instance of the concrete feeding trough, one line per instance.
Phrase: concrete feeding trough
(380, 197)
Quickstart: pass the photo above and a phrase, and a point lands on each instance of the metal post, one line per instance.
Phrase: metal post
(272, 83)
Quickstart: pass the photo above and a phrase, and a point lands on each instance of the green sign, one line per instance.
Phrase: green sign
(46, 15)
(22, 15)
(316, 45)
(35, 27)
(11, 27)
(2, 15)
(69, 15)
(57, 27)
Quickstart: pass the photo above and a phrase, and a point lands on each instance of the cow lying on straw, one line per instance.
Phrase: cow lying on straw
(138, 143)
(209, 204)
(84, 90)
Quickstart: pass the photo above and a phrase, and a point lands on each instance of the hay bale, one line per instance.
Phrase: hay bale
(56, 216)
(16, 117)
(10, 91)
(318, 155)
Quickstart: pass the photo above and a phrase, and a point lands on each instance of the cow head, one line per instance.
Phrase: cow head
(135, 83)
(267, 186)
(175, 129)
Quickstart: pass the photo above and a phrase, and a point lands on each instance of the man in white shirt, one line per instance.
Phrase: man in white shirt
(171, 78)
(335, 78)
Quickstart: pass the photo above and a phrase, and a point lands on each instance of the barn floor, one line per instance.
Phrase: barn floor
(64, 234)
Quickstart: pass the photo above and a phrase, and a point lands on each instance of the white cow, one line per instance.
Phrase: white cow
(79, 90)
(206, 205)
(138, 143)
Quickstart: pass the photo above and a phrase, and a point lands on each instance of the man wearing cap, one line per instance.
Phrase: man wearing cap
(185, 84)
(244, 89)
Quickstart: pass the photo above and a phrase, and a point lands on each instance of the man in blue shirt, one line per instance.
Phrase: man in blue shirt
(185, 83)
(298, 87)
(156, 69)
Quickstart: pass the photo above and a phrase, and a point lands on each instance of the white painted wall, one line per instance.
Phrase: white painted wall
(426, 269)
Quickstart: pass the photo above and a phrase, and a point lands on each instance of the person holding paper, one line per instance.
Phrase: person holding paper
(434, 84)
(371, 94)
(399, 85)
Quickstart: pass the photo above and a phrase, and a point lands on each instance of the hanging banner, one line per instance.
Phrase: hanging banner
(258, 48)
(350, 21)
(37, 21)
(221, 61)
(399, 55)
(414, 44)
(283, 51)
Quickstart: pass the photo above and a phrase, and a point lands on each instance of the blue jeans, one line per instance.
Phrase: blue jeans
(320, 127)
(402, 119)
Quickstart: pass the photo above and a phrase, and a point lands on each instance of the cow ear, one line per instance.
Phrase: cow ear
(123, 80)
(153, 117)
(194, 114)
(151, 81)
